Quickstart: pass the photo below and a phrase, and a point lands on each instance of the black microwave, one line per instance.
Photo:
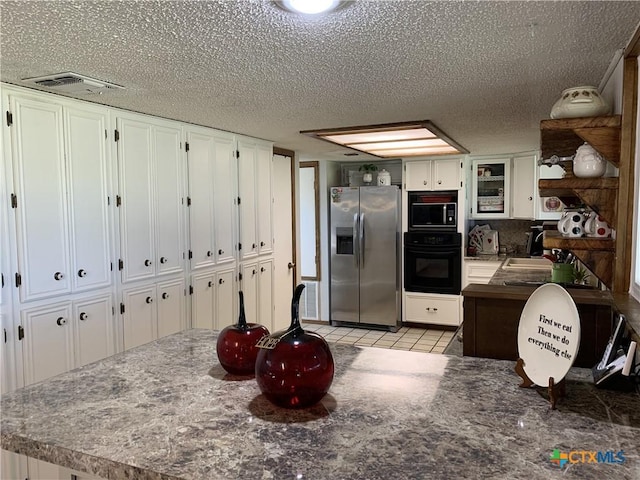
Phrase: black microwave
(431, 211)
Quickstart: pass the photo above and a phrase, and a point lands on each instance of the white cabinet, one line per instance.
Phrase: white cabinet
(490, 188)
(213, 300)
(433, 175)
(13, 466)
(62, 336)
(150, 201)
(212, 193)
(153, 311)
(257, 286)
(479, 271)
(256, 202)
(16, 466)
(523, 187)
(432, 309)
(61, 173)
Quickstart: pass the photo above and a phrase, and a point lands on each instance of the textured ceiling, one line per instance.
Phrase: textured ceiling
(484, 72)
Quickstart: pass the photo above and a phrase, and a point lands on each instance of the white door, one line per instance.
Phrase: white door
(171, 307)
(226, 300)
(523, 187)
(139, 319)
(48, 342)
(249, 286)
(264, 203)
(94, 319)
(136, 191)
(41, 214)
(446, 174)
(168, 167)
(87, 176)
(224, 193)
(418, 175)
(201, 224)
(265, 294)
(283, 255)
(203, 300)
(247, 193)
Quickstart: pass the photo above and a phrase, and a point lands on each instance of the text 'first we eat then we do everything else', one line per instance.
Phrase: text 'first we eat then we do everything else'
(553, 333)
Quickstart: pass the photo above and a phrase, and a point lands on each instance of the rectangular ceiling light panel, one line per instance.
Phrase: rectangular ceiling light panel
(408, 139)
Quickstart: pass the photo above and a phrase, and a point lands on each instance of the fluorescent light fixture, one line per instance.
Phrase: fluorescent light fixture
(310, 7)
(407, 139)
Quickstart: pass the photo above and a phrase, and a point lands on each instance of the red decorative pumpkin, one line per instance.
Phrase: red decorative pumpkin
(236, 346)
(294, 368)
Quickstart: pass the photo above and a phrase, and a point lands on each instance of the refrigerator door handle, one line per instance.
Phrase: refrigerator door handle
(361, 240)
(356, 250)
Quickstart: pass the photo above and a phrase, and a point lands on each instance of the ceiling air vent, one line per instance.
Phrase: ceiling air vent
(72, 83)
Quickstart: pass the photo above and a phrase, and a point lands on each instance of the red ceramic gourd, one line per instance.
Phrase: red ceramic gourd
(294, 368)
(236, 346)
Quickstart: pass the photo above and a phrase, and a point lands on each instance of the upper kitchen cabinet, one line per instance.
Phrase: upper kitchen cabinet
(61, 172)
(490, 188)
(256, 199)
(212, 194)
(523, 187)
(441, 174)
(151, 171)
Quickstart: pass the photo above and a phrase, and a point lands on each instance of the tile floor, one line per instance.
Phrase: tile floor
(415, 339)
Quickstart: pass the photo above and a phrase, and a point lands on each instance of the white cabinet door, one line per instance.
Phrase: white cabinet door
(48, 341)
(224, 193)
(93, 319)
(168, 167)
(203, 300)
(491, 188)
(523, 187)
(139, 319)
(264, 199)
(265, 293)
(418, 175)
(247, 192)
(226, 299)
(432, 309)
(88, 181)
(39, 171)
(41, 470)
(171, 307)
(13, 466)
(136, 190)
(446, 174)
(249, 287)
(201, 221)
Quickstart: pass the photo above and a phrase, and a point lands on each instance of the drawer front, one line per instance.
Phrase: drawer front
(436, 310)
(482, 269)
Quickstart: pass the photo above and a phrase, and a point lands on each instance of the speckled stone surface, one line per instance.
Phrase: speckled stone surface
(166, 410)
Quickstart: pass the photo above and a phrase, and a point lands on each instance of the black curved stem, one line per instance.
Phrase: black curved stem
(242, 319)
(295, 307)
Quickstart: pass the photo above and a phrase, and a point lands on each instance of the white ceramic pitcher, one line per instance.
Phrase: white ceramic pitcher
(596, 226)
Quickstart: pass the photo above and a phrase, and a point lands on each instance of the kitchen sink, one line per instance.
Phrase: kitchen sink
(527, 264)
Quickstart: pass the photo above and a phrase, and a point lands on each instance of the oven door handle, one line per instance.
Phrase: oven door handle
(356, 246)
(361, 239)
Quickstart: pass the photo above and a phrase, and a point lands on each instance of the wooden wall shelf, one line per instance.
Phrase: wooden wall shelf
(563, 136)
(599, 193)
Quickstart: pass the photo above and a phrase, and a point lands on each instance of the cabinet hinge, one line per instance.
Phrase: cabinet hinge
(5, 335)
(239, 246)
(239, 276)
(190, 254)
(2, 278)
(9, 118)
(120, 264)
(122, 308)
(14, 201)
(190, 289)
(118, 201)
(111, 266)
(108, 200)
(237, 153)
(113, 310)
(116, 135)
(461, 184)
(20, 332)
(186, 146)
(106, 135)
(238, 200)
(188, 201)
(461, 165)
(18, 279)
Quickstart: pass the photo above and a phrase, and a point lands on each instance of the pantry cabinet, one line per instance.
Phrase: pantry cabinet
(256, 199)
(153, 311)
(442, 174)
(257, 286)
(151, 198)
(212, 194)
(61, 197)
(213, 299)
(66, 335)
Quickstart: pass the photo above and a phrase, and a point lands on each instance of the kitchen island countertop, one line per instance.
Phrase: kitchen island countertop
(167, 410)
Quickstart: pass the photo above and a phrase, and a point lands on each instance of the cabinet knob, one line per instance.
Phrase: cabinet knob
(58, 276)
(163, 259)
(424, 182)
(262, 269)
(148, 300)
(253, 245)
(210, 284)
(530, 198)
(61, 321)
(165, 295)
(290, 265)
(221, 281)
(439, 182)
(428, 309)
(82, 273)
(435, 309)
(209, 253)
(262, 244)
(253, 272)
(220, 252)
(83, 316)
(147, 263)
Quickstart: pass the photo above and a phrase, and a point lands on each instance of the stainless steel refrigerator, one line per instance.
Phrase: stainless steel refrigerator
(365, 252)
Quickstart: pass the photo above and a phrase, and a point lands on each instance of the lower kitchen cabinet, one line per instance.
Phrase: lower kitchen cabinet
(479, 271)
(153, 311)
(432, 309)
(213, 299)
(257, 285)
(62, 336)
(16, 466)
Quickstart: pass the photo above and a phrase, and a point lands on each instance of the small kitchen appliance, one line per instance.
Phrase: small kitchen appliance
(433, 210)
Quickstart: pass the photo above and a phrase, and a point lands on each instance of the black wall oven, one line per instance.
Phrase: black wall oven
(433, 262)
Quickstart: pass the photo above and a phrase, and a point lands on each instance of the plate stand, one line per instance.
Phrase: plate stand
(556, 390)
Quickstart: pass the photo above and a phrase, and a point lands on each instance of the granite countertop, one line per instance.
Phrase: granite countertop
(166, 410)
